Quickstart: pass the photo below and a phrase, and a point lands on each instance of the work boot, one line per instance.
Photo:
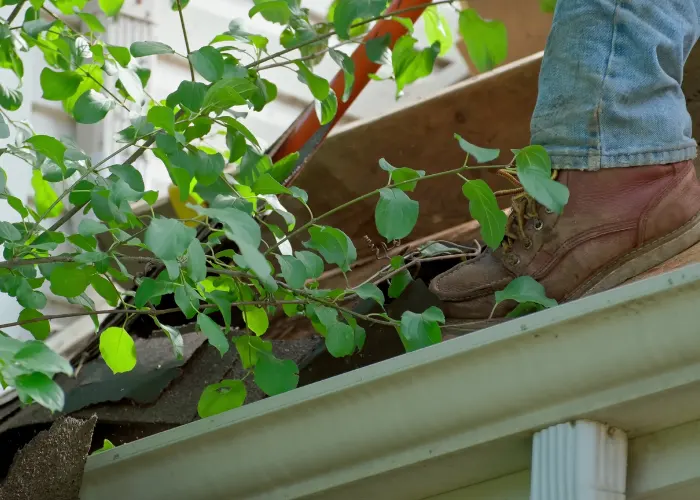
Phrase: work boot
(618, 223)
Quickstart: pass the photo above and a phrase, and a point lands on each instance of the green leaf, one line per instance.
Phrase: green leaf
(218, 398)
(399, 284)
(89, 227)
(486, 41)
(319, 87)
(239, 226)
(162, 117)
(10, 99)
(347, 11)
(370, 291)
(150, 288)
(405, 22)
(333, 245)
(40, 329)
(106, 445)
(175, 338)
(266, 184)
(377, 49)
(45, 196)
(437, 29)
(534, 169)
(52, 148)
(340, 339)
(483, 206)
(36, 27)
(275, 376)
(524, 309)
(196, 261)
(8, 232)
(28, 298)
(118, 349)
(223, 303)
(91, 107)
(327, 108)
(208, 167)
(396, 214)
(348, 66)
(275, 11)
(185, 296)
(92, 22)
(482, 155)
(4, 134)
(293, 270)
(312, 262)
(168, 238)
(111, 7)
(227, 93)
(248, 348)
(525, 289)
(213, 333)
(256, 319)
(143, 49)
(105, 289)
(69, 280)
(37, 356)
(41, 389)
(421, 330)
(57, 86)
(188, 94)
(410, 64)
(120, 54)
(548, 5)
(130, 175)
(208, 62)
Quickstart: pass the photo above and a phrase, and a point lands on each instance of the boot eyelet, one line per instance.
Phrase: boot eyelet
(538, 225)
(514, 261)
(527, 244)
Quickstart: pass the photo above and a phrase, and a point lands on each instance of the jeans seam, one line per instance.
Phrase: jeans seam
(599, 107)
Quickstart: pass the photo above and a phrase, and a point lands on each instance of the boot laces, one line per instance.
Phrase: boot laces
(523, 208)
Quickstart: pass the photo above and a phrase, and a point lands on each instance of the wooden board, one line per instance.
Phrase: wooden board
(491, 110)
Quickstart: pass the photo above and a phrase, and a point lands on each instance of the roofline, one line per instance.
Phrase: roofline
(410, 425)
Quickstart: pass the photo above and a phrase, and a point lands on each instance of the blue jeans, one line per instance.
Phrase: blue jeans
(610, 84)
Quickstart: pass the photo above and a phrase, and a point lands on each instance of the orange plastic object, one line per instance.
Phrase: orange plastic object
(306, 133)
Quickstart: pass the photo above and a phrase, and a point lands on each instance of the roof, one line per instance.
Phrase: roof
(455, 416)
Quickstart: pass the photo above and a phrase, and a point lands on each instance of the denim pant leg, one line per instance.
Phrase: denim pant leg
(610, 84)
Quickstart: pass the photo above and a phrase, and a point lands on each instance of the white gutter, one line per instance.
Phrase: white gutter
(446, 417)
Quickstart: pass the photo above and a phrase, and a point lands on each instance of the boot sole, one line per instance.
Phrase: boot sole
(616, 273)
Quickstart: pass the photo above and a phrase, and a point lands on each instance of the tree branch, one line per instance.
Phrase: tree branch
(187, 42)
(355, 25)
(15, 12)
(151, 312)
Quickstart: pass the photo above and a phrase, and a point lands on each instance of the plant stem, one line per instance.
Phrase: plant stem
(331, 33)
(356, 200)
(187, 42)
(11, 264)
(150, 312)
(15, 12)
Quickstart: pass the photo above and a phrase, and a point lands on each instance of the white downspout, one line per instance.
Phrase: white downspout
(580, 460)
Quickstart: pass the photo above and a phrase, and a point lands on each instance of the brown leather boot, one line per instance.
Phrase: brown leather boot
(619, 222)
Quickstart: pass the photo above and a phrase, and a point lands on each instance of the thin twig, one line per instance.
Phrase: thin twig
(15, 12)
(150, 312)
(187, 42)
(356, 200)
(355, 25)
